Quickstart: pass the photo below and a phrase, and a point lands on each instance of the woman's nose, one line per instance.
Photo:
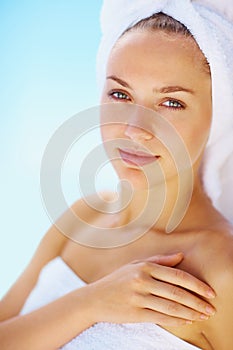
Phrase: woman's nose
(140, 123)
(137, 133)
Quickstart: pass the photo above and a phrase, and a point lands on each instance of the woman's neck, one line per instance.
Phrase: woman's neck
(165, 210)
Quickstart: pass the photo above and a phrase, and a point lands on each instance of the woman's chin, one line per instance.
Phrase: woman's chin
(137, 176)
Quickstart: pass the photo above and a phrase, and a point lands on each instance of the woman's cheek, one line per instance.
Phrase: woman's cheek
(112, 131)
(195, 142)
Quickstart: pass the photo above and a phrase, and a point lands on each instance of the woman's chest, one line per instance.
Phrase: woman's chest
(91, 264)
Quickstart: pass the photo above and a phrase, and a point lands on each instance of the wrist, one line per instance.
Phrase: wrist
(89, 301)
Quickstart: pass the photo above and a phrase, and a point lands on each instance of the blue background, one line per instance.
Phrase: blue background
(47, 69)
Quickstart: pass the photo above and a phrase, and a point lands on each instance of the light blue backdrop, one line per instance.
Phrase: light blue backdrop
(47, 69)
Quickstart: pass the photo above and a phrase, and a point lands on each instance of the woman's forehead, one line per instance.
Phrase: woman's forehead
(155, 50)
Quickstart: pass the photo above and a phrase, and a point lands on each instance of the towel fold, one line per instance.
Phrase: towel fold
(211, 24)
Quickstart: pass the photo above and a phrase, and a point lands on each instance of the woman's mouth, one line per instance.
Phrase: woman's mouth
(138, 158)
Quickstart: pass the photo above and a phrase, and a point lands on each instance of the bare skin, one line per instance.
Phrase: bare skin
(199, 259)
(167, 279)
(113, 280)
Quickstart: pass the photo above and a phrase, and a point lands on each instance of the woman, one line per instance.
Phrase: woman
(160, 291)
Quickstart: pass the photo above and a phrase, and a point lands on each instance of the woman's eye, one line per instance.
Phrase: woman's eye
(118, 95)
(173, 104)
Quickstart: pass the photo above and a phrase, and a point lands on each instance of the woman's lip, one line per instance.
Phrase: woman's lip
(136, 152)
(137, 157)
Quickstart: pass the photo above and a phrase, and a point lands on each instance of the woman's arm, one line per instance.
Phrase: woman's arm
(50, 326)
(49, 247)
(131, 293)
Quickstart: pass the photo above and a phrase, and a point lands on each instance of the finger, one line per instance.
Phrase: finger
(167, 260)
(181, 296)
(182, 279)
(171, 308)
(147, 315)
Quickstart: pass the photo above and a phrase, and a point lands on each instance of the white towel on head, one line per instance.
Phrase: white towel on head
(211, 24)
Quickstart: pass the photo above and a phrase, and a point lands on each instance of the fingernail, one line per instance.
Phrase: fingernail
(204, 317)
(211, 294)
(210, 310)
(189, 322)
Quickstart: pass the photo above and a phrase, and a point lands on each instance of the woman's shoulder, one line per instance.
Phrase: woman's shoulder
(221, 257)
(215, 248)
(217, 242)
(217, 261)
(92, 204)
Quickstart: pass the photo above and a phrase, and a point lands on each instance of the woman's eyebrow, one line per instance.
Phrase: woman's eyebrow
(176, 88)
(120, 81)
(163, 90)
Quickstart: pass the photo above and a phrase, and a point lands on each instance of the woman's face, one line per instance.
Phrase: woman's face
(165, 74)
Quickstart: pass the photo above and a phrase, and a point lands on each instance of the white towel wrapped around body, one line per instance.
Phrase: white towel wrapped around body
(211, 24)
(57, 279)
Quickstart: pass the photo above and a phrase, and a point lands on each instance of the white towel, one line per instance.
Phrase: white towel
(57, 279)
(211, 24)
